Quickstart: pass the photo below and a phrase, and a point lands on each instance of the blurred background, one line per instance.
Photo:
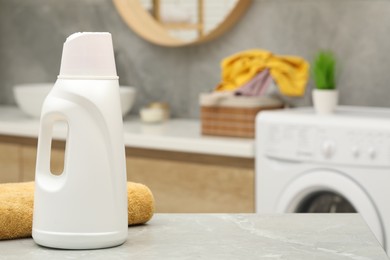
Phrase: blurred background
(358, 31)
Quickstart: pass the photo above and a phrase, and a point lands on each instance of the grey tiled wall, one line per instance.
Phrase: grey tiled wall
(32, 33)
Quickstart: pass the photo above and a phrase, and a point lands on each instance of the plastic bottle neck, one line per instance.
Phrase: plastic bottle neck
(78, 77)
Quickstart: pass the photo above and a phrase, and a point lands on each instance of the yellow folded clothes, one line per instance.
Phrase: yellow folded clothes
(17, 200)
(290, 73)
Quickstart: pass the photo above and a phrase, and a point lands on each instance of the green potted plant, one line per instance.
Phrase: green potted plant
(325, 94)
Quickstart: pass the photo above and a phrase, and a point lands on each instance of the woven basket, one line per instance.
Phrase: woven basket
(233, 116)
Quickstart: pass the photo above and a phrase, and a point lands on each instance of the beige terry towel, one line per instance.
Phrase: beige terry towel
(17, 199)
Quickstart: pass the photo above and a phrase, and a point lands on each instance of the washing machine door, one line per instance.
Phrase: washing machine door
(328, 191)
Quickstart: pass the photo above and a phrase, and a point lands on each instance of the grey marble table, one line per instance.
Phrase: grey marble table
(228, 236)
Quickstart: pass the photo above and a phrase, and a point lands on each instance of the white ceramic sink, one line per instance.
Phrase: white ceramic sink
(30, 97)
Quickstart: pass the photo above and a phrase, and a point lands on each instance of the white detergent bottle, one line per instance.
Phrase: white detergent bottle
(86, 206)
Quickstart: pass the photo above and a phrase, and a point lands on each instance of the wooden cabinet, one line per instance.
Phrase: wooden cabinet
(29, 156)
(10, 161)
(180, 182)
(18, 156)
(184, 182)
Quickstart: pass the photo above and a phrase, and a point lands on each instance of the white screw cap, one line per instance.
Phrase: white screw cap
(88, 55)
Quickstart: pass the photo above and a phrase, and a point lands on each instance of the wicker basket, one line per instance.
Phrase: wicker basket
(233, 116)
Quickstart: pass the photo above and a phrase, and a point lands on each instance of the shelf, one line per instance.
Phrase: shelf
(181, 26)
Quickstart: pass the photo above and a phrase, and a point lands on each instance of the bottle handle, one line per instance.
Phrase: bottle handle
(44, 143)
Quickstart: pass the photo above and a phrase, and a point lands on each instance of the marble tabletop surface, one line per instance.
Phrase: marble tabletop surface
(178, 135)
(228, 236)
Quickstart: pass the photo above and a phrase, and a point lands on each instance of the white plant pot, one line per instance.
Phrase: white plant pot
(325, 100)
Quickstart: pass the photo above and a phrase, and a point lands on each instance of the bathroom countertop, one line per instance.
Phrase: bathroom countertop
(228, 236)
(179, 135)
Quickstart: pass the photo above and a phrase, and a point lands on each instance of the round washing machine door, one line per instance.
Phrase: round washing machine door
(326, 191)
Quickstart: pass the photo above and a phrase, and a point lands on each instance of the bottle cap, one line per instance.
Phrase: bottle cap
(88, 55)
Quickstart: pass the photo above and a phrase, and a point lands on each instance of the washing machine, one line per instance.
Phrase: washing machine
(338, 163)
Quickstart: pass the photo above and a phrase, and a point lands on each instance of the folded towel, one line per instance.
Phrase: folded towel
(17, 199)
(290, 73)
(256, 86)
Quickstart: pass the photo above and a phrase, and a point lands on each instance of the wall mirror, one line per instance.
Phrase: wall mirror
(180, 22)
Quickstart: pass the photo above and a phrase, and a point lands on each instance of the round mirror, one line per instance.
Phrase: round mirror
(180, 22)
